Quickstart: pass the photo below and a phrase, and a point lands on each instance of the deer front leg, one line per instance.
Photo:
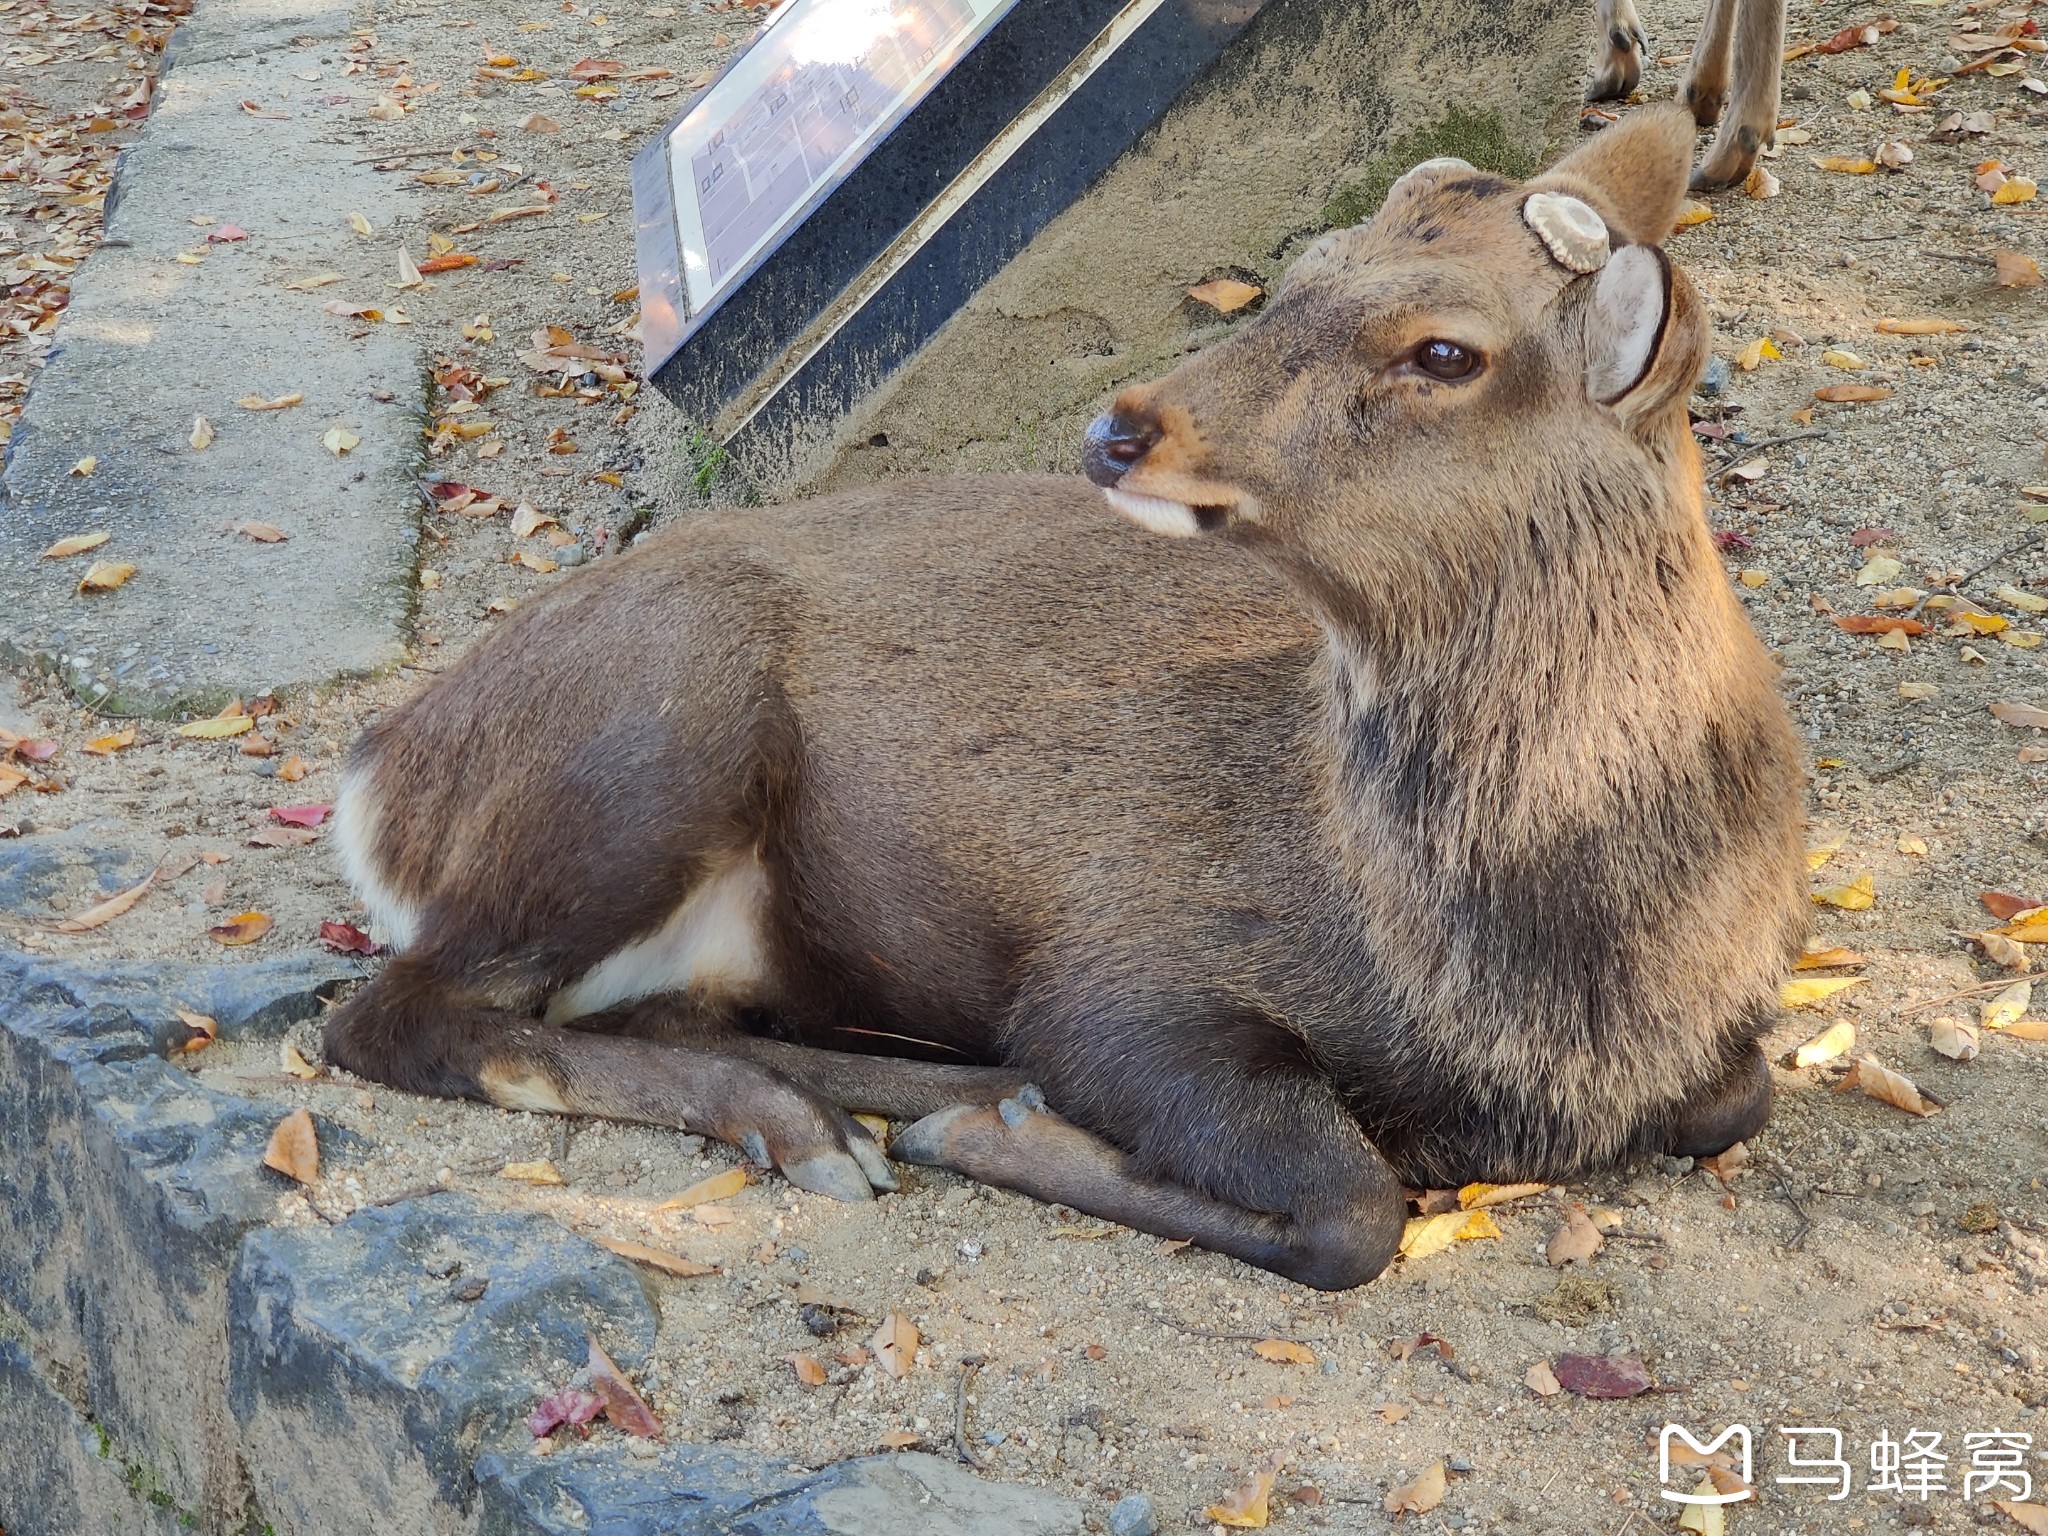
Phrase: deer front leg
(1618, 55)
(1751, 122)
(414, 1031)
(1225, 1136)
(1705, 91)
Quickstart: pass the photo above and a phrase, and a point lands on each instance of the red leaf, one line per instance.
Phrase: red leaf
(1878, 623)
(300, 815)
(227, 234)
(571, 1405)
(347, 939)
(1863, 538)
(588, 70)
(448, 490)
(1726, 539)
(35, 751)
(454, 261)
(1602, 1375)
(2004, 907)
(626, 1408)
(1858, 36)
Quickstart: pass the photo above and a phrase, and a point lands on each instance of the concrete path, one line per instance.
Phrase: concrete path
(151, 341)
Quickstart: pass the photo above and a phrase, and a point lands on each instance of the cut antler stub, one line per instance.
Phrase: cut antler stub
(1569, 229)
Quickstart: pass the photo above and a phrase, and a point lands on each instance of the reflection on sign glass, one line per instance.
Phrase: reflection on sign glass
(795, 113)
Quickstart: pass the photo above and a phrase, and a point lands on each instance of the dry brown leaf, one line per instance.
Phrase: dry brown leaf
(1852, 394)
(625, 1407)
(1284, 1352)
(2009, 953)
(1419, 1496)
(282, 837)
(242, 928)
(294, 1064)
(720, 1186)
(1928, 325)
(202, 432)
(1953, 1038)
(2029, 715)
(1726, 1164)
(292, 769)
(899, 1439)
(105, 911)
(77, 544)
(262, 533)
(259, 403)
(294, 1150)
(205, 1029)
(1542, 1380)
(107, 746)
(105, 576)
(542, 1172)
(1828, 958)
(809, 1369)
(1394, 1413)
(2029, 1517)
(1881, 1083)
(657, 1258)
(1249, 1507)
(895, 1344)
(1225, 295)
(1576, 1240)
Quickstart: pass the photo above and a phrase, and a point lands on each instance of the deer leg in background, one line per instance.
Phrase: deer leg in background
(1751, 121)
(414, 1029)
(1232, 1139)
(1705, 91)
(1619, 51)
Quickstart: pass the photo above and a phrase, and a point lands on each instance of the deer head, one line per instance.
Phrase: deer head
(1481, 366)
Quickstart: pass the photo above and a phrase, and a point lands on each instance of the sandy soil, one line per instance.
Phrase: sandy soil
(1837, 1283)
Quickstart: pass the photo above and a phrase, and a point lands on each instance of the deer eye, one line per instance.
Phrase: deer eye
(1446, 360)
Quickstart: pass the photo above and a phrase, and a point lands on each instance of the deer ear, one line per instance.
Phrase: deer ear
(1634, 173)
(1646, 336)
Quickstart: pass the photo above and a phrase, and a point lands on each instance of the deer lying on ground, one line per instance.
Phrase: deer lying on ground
(1732, 78)
(1424, 814)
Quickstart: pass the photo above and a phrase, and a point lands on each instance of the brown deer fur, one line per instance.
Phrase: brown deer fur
(1432, 819)
(1732, 78)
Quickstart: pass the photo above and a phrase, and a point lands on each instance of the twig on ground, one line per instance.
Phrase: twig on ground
(969, 1365)
(1249, 1338)
(1966, 257)
(2003, 555)
(1998, 985)
(1732, 448)
(1805, 1221)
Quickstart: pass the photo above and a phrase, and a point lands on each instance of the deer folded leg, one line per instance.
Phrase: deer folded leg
(1739, 1107)
(407, 1031)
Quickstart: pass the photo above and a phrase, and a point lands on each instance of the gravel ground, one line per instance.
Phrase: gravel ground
(1835, 1283)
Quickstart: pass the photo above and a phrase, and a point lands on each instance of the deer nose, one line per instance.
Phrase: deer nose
(1115, 442)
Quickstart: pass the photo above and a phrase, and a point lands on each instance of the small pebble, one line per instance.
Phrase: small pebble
(1133, 1515)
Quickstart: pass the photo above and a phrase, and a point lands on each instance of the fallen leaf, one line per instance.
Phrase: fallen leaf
(899, 1440)
(107, 746)
(387, 109)
(1284, 1352)
(1477, 1196)
(1827, 957)
(2001, 950)
(895, 1344)
(259, 403)
(2005, 906)
(105, 576)
(262, 533)
(202, 433)
(338, 440)
(292, 1063)
(1926, 326)
(541, 1172)
(2021, 714)
(1725, 1165)
(2014, 189)
(77, 544)
(1420, 1495)
(2029, 1517)
(107, 910)
(1836, 357)
(1879, 569)
(720, 1186)
(526, 521)
(347, 939)
(205, 1029)
(809, 1369)
(1541, 1380)
(1249, 1507)
(1878, 624)
(1761, 183)
(1837, 1039)
(1859, 895)
(242, 928)
(2008, 1007)
(1848, 165)
(1576, 1240)
(281, 837)
(1704, 1519)
(2016, 269)
(1394, 1413)
(1426, 1235)
(215, 727)
(626, 1408)
(1953, 1038)
(1691, 212)
(1825, 849)
(1751, 357)
(656, 1258)
(1851, 394)
(571, 1405)
(300, 815)
(294, 1149)
(534, 562)
(292, 769)
(317, 280)
(1880, 1082)
(1602, 1376)
(1807, 991)
(1917, 692)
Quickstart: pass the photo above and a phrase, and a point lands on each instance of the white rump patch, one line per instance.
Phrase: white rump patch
(393, 919)
(1175, 519)
(712, 942)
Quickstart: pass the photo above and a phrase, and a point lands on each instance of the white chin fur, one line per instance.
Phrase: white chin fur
(1173, 518)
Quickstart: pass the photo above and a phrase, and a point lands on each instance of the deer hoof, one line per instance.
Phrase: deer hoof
(837, 1175)
(926, 1142)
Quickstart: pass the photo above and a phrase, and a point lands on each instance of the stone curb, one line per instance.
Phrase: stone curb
(171, 1361)
(149, 342)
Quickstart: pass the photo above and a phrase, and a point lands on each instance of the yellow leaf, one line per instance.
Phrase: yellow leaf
(1927, 326)
(720, 1186)
(242, 928)
(1826, 957)
(217, 726)
(104, 576)
(317, 280)
(1808, 990)
(1753, 354)
(1982, 623)
(259, 403)
(542, 1172)
(1838, 1039)
(294, 1064)
(1284, 1352)
(1752, 577)
(1859, 895)
(2026, 602)
(1704, 1519)
(1824, 850)
(2008, 1007)
(1691, 212)
(338, 440)
(1426, 1235)
(77, 544)
(1835, 357)
(1848, 165)
(2014, 189)
(360, 223)
(1248, 1508)
(1475, 1196)
(1421, 1495)
(1879, 569)
(107, 746)
(86, 465)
